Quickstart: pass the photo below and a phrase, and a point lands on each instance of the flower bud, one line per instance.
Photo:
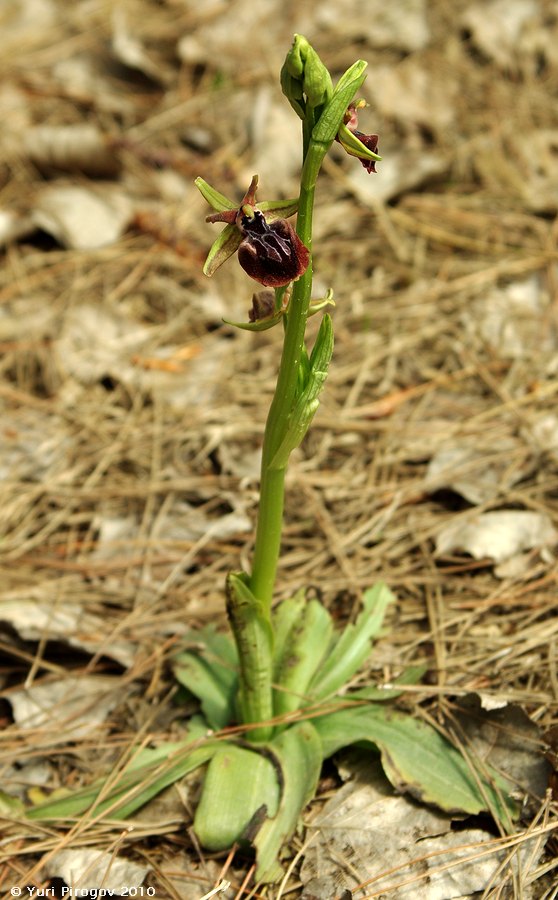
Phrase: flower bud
(305, 76)
(263, 306)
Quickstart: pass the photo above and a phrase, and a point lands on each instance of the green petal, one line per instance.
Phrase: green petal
(317, 305)
(278, 209)
(260, 324)
(226, 244)
(214, 198)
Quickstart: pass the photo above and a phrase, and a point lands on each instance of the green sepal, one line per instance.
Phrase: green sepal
(296, 55)
(292, 89)
(253, 636)
(354, 645)
(240, 788)
(351, 81)
(222, 248)
(302, 652)
(298, 752)
(317, 84)
(307, 402)
(417, 759)
(353, 146)
(210, 672)
(317, 305)
(261, 324)
(215, 199)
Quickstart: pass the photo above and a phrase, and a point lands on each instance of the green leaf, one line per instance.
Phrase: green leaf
(222, 248)
(329, 122)
(302, 652)
(220, 648)
(307, 403)
(254, 640)
(285, 617)
(216, 200)
(240, 788)
(354, 644)
(11, 806)
(411, 675)
(298, 752)
(322, 349)
(148, 773)
(304, 372)
(210, 672)
(415, 758)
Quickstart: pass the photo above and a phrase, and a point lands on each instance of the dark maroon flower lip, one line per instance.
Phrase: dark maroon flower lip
(272, 254)
(371, 142)
(356, 143)
(269, 249)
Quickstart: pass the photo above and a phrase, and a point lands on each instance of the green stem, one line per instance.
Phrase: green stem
(251, 621)
(272, 487)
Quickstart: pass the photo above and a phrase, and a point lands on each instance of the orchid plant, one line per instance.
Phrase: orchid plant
(275, 692)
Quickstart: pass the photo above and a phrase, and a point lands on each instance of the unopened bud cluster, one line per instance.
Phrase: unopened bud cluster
(304, 79)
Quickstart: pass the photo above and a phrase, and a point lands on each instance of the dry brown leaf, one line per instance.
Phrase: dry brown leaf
(82, 148)
(130, 51)
(83, 218)
(513, 319)
(500, 28)
(366, 835)
(86, 869)
(413, 94)
(14, 226)
(67, 709)
(502, 735)
(401, 170)
(217, 43)
(496, 535)
(41, 618)
(403, 25)
(477, 470)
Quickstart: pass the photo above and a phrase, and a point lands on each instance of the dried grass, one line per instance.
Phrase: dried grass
(177, 413)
